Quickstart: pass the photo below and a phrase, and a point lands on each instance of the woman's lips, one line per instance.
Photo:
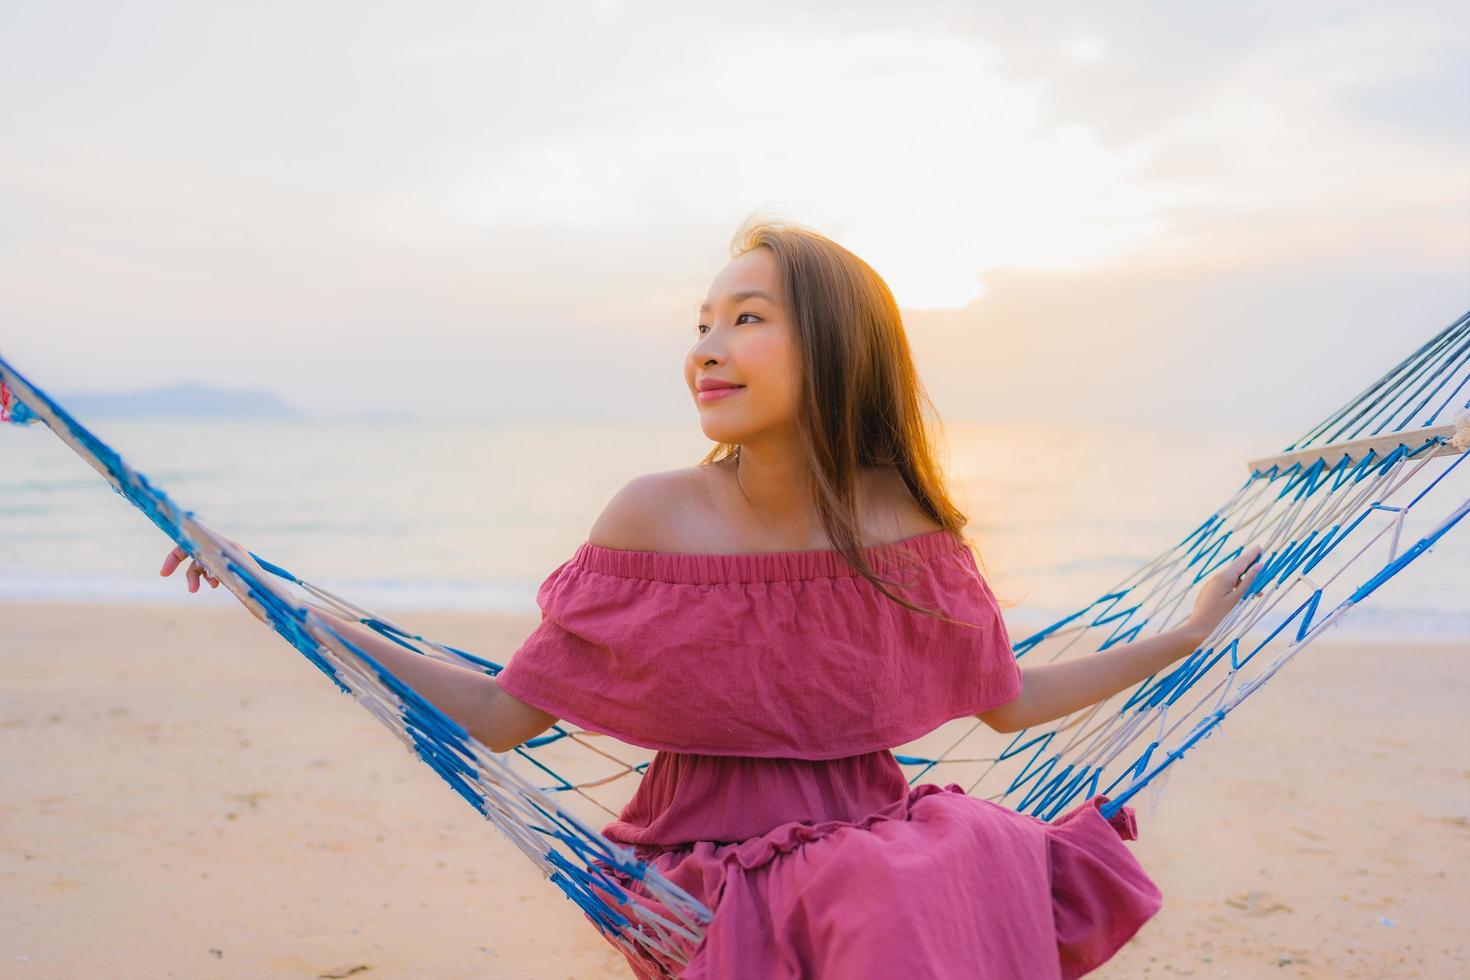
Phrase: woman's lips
(715, 394)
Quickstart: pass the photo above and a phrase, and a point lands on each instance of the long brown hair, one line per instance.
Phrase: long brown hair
(862, 404)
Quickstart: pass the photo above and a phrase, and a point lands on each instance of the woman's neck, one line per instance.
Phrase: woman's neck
(775, 482)
(771, 490)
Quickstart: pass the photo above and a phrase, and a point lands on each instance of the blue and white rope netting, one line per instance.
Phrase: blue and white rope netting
(1368, 490)
(573, 855)
(1320, 514)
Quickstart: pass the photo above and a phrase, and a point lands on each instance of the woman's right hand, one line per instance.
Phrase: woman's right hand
(234, 551)
(198, 573)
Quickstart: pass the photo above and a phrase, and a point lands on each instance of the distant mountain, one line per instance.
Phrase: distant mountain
(193, 400)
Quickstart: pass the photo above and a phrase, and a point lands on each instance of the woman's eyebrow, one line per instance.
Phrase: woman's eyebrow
(737, 297)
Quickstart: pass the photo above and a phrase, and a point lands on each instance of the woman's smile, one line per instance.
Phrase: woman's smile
(715, 394)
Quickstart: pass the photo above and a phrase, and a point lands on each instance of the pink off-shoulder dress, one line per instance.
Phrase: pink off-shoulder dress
(772, 687)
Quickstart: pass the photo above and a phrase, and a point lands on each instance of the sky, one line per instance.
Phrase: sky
(1197, 214)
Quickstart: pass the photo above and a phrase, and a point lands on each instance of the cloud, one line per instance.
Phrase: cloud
(463, 204)
(915, 150)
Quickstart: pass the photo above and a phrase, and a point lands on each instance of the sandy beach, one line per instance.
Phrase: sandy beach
(185, 796)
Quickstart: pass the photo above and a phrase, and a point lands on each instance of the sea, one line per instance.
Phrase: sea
(457, 515)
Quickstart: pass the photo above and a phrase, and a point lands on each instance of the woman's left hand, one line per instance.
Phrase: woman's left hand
(1222, 591)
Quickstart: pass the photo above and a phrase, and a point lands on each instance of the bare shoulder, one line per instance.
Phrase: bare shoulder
(644, 512)
(894, 513)
(691, 509)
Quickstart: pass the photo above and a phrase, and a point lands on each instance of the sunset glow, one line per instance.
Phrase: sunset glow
(532, 196)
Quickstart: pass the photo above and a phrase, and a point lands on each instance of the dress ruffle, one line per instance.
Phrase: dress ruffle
(1101, 895)
(879, 897)
(779, 654)
(685, 798)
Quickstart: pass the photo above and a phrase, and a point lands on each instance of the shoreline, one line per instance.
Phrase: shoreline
(206, 803)
(1366, 624)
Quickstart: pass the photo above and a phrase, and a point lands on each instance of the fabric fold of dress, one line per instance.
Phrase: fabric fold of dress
(772, 686)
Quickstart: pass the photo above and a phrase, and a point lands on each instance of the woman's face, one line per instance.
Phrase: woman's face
(745, 337)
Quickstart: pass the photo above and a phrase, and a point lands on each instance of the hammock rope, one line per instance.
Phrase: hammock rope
(1343, 494)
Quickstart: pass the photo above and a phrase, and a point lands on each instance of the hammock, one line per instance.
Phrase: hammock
(1340, 497)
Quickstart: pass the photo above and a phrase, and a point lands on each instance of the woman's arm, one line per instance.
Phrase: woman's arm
(1055, 690)
(1052, 691)
(474, 699)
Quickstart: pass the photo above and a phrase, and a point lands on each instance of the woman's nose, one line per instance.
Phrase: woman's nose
(707, 351)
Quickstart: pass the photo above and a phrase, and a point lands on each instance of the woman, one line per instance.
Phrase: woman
(738, 617)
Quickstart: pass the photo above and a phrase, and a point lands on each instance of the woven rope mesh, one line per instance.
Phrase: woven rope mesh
(1356, 500)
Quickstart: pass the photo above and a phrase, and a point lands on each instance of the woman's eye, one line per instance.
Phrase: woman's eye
(702, 328)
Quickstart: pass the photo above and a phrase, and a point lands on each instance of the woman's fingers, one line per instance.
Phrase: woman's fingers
(1242, 564)
(1226, 587)
(1231, 578)
(172, 560)
(202, 575)
(1240, 578)
(195, 574)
